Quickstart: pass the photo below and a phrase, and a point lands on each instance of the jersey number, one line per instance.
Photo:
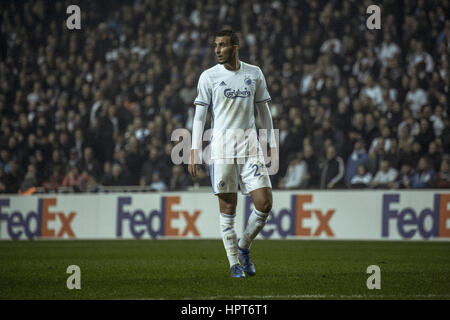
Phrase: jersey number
(256, 170)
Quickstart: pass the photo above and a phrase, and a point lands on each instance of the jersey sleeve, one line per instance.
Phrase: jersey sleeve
(261, 93)
(203, 91)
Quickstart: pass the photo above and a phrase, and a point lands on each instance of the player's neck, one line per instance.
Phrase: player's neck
(233, 65)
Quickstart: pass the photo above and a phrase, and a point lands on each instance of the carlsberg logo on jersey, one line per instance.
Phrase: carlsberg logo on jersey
(233, 94)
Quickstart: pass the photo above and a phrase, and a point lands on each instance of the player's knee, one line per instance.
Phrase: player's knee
(264, 206)
(228, 209)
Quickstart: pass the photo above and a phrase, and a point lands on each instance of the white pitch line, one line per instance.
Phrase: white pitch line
(319, 296)
(310, 296)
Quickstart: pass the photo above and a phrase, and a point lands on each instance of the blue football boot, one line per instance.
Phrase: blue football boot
(237, 271)
(244, 256)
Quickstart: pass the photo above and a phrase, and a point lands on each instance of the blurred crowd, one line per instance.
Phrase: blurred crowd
(356, 108)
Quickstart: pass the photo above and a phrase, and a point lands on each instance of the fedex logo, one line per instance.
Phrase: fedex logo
(405, 217)
(297, 217)
(140, 223)
(37, 223)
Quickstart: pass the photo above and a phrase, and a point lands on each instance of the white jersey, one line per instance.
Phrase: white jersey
(232, 96)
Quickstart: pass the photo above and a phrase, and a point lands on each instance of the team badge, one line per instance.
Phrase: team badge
(247, 81)
(221, 184)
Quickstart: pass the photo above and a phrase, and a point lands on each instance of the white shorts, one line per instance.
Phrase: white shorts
(229, 174)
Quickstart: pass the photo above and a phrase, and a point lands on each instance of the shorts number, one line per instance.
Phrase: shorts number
(256, 170)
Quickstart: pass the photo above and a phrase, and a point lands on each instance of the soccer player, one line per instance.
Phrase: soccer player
(235, 90)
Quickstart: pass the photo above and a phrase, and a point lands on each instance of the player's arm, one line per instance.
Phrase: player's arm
(264, 117)
(201, 102)
(265, 120)
(197, 134)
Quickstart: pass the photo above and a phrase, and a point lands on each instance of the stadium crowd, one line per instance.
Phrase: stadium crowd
(356, 108)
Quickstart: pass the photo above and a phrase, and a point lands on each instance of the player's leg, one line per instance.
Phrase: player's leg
(255, 180)
(262, 200)
(224, 180)
(227, 205)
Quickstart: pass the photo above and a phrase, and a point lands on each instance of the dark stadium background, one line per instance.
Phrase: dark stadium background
(95, 107)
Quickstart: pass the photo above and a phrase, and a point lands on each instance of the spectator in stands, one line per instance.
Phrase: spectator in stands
(80, 143)
(202, 179)
(418, 55)
(157, 183)
(55, 180)
(416, 153)
(370, 129)
(423, 174)
(442, 178)
(106, 172)
(312, 165)
(410, 121)
(64, 145)
(290, 135)
(72, 178)
(405, 176)
(405, 139)
(343, 118)
(356, 131)
(385, 176)
(30, 179)
(333, 170)
(56, 163)
(394, 114)
(117, 177)
(392, 153)
(89, 164)
(388, 49)
(31, 147)
(375, 156)
(361, 179)
(426, 134)
(179, 179)
(4, 160)
(437, 119)
(39, 162)
(89, 183)
(73, 158)
(373, 91)
(296, 174)
(2, 182)
(358, 157)
(416, 97)
(151, 164)
(133, 160)
(435, 155)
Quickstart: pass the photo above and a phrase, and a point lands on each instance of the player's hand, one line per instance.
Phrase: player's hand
(194, 163)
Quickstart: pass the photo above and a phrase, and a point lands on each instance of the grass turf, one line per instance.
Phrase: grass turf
(198, 269)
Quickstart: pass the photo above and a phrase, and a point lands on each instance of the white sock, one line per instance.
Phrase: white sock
(256, 222)
(229, 237)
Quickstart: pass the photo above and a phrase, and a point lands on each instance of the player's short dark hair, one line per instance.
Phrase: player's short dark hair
(234, 39)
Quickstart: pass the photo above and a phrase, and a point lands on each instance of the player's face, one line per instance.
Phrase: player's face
(224, 50)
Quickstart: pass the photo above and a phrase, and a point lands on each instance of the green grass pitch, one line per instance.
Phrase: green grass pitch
(198, 269)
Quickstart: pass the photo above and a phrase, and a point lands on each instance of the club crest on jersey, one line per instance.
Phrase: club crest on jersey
(247, 81)
(233, 94)
(221, 184)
